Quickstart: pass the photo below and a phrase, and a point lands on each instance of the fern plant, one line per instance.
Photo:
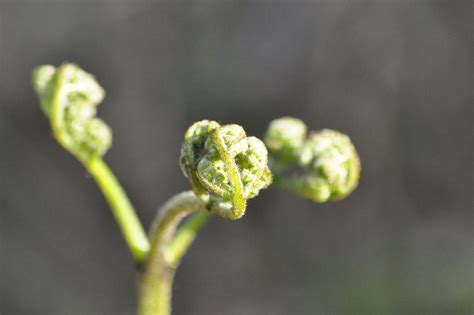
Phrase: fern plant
(224, 165)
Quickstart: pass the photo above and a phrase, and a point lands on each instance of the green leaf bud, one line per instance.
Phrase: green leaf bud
(69, 97)
(285, 138)
(323, 166)
(225, 167)
(332, 165)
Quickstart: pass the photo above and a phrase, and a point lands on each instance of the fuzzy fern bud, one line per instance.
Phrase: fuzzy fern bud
(322, 167)
(332, 164)
(225, 167)
(285, 137)
(69, 98)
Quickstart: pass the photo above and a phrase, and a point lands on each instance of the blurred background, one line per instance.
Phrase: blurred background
(394, 75)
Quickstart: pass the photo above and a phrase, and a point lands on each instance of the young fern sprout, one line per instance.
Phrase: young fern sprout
(225, 168)
(323, 166)
(69, 98)
(285, 138)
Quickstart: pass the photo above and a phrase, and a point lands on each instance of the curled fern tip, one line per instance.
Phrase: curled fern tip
(225, 167)
(69, 98)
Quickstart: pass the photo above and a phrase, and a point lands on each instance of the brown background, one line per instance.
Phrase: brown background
(395, 75)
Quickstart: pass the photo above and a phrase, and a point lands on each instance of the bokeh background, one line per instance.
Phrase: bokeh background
(395, 75)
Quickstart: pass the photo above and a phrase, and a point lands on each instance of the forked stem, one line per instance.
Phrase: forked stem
(156, 278)
(185, 236)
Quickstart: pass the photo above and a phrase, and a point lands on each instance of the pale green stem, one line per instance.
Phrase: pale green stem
(185, 236)
(156, 277)
(122, 209)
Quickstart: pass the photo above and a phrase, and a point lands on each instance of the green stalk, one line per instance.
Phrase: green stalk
(185, 236)
(122, 209)
(156, 278)
(118, 201)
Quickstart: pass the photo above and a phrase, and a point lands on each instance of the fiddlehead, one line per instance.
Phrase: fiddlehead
(285, 137)
(225, 167)
(326, 165)
(69, 98)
